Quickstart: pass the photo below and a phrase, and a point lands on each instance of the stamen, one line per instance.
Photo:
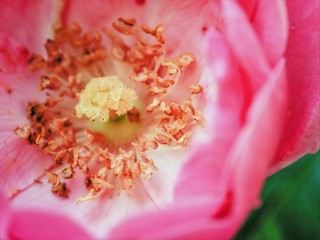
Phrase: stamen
(125, 26)
(163, 139)
(91, 123)
(185, 59)
(195, 89)
(61, 190)
(23, 132)
(53, 178)
(157, 32)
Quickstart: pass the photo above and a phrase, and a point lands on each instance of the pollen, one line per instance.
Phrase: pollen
(103, 97)
(92, 124)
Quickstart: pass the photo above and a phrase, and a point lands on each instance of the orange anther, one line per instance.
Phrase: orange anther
(196, 89)
(183, 141)
(163, 139)
(185, 59)
(53, 178)
(155, 103)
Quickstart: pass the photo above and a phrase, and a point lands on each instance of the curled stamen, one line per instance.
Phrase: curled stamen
(196, 89)
(61, 190)
(125, 26)
(163, 139)
(23, 132)
(185, 59)
(51, 83)
(53, 178)
(157, 32)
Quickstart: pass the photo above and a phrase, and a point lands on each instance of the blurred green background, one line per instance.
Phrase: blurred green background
(291, 204)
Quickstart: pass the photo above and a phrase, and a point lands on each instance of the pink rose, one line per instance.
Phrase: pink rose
(258, 64)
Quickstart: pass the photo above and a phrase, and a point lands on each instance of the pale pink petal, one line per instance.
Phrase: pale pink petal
(97, 216)
(30, 22)
(15, 75)
(158, 224)
(303, 66)
(244, 43)
(270, 22)
(99, 13)
(190, 19)
(13, 56)
(160, 186)
(20, 164)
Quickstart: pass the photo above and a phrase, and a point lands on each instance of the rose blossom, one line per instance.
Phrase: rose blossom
(252, 72)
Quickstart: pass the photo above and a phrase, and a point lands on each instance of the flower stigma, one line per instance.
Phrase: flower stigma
(107, 101)
(110, 105)
(105, 97)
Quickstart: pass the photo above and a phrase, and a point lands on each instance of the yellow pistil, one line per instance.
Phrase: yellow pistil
(105, 97)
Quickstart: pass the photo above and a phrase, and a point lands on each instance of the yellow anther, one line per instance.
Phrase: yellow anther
(185, 59)
(103, 97)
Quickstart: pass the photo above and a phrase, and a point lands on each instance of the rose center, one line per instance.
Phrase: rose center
(112, 107)
(93, 124)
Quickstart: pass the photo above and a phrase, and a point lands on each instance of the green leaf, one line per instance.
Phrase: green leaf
(290, 204)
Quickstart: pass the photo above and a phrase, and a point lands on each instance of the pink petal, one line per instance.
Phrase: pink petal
(4, 216)
(247, 164)
(99, 13)
(33, 224)
(302, 131)
(20, 163)
(244, 43)
(190, 19)
(249, 7)
(163, 224)
(160, 186)
(256, 144)
(271, 25)
(30, 22)
(15, 75)
(244, 166)
(13, 56)
(225, 121)
(96, 216)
